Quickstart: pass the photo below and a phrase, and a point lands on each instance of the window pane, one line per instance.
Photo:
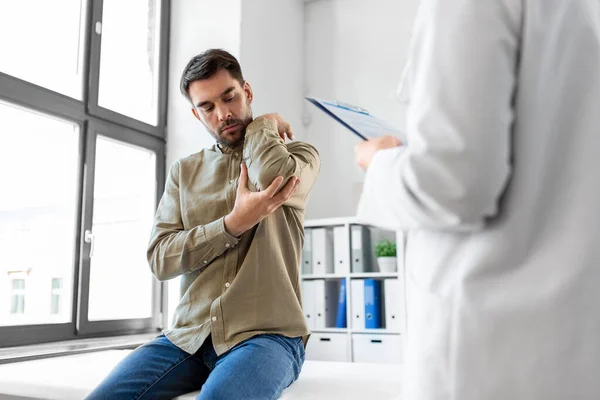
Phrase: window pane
(39, 163)
(55, 304)
(129, 58)
(18, 284)
(18, 304)
(41, 41)
(56, 283)
(124, 201)
(56, 296)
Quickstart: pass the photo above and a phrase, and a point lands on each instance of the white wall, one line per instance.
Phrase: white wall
(351, 50)
(355, 52)
(196, 25)
(265, 35)
(272, 57)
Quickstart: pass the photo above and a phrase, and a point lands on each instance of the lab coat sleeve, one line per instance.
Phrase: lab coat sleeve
(457, 162)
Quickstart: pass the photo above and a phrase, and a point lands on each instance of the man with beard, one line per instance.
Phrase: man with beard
(230, 224)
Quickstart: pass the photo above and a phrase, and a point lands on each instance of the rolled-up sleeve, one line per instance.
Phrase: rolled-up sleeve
(267, 157)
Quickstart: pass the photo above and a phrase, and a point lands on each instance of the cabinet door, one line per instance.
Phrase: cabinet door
(328, 347)
(381, 349)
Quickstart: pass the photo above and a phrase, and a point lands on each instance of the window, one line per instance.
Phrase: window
(56, 295)
(124, 204)
(38, 216)
(36, 48)
(129, 58)
(82, 127)
(17, 304)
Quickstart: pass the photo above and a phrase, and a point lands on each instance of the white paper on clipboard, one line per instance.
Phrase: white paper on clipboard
(357, 119)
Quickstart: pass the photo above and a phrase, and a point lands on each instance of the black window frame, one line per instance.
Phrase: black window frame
(93, 120)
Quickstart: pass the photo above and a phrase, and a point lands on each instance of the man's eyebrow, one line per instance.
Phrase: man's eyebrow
(226, 92)
(229, 90)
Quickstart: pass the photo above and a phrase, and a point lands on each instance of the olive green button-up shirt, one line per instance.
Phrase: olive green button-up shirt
(233, 288)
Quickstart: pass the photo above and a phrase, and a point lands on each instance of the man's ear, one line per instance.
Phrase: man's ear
(196, 114)
(248, 91)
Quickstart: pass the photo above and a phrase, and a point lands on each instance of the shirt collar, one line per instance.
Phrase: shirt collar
(229, 150)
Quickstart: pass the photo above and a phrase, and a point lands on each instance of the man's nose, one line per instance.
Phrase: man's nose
(224, 113)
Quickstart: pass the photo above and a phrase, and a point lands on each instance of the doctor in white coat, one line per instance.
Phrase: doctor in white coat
(498, 188)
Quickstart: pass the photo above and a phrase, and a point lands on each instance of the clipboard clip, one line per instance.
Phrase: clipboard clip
(349, 107)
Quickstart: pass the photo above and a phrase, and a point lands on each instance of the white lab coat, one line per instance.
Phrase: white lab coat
(499, 191)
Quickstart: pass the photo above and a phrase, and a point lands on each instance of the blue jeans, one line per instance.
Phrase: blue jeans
(258, 368)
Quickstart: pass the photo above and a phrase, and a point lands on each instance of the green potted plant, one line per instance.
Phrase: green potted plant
(385, 251)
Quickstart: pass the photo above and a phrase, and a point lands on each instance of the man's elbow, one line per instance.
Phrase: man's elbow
(157, 266)
(302, 157)
(284, 168)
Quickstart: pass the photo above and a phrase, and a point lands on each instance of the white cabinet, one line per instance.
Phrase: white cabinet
(334, 295)
(381, 349)
(328, 347)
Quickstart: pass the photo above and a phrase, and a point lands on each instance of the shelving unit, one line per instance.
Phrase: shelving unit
(330, 330)
(377, 331)
(374, 275)
(357, 344)
(324, 276)
(363, 275)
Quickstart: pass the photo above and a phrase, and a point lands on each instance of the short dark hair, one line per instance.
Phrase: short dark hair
(206, 64)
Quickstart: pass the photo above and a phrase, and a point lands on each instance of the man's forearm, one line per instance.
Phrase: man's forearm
(175, 252)
(234, 226)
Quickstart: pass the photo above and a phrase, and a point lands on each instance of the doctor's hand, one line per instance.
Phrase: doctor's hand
(252, 207)
(283, 128)
(365, 151)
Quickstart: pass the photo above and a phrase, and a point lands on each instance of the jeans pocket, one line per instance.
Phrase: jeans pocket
(300, 363)
(298, 347)
(300, 355)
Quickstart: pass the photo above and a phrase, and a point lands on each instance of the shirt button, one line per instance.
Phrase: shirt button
(205, 262)
(214, 318)
(236, 154)
(232, 180)
(227, 284)
(227, 245)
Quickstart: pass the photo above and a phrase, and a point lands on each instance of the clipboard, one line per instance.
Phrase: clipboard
(357, 119)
